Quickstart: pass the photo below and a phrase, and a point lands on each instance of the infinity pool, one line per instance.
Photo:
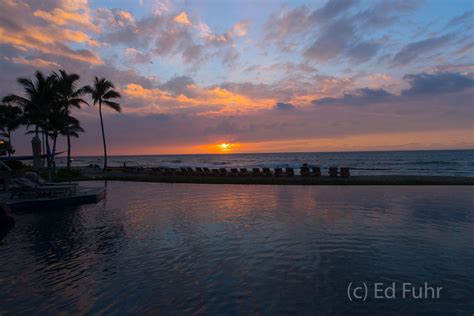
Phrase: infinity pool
(152, 248)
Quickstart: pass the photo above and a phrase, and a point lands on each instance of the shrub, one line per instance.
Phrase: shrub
(65, 173)
(15, 164)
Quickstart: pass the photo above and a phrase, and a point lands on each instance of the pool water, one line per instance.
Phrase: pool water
(152, 248)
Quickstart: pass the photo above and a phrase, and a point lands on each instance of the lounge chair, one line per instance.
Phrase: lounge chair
(36, 179)
(223, 171)
(234, 172)
(278, 172)
(345, 173)
(304, 172)
(170, 171)
(267, 172)
(22, 186)
(207, 171)
(215, 172)
(316, 171)
(256, 172)
(130, 169)
(244, 172)
(333, 171)
(156, 171)
(289, 172)
(191, 171)
(199, 171)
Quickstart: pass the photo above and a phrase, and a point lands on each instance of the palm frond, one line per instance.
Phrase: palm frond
(111, 94)
(113, 105)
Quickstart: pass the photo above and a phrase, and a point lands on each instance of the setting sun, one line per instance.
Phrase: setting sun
(225, 147)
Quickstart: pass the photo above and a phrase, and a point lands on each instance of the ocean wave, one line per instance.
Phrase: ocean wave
(175, 161)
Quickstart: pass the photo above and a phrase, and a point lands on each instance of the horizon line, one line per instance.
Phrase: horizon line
(281, 152)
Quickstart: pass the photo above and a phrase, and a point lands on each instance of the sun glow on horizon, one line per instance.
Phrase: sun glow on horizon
(226, 147)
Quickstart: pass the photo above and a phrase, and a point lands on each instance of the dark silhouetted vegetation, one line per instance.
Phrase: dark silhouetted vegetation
(46, 105)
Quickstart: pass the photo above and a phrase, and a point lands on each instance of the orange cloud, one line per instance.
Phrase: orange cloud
(37, 62)
(123, 18)
(74, 5)
(225, 100)
(240, 29)
(27, 34)
(50, 43)
(60, 17)
(182, 18)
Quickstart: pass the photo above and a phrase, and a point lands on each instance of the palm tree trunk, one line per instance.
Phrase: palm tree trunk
(68, 150)
(10, 142)
(43, 147)
(53, 162)
(48, 150)
(103, 135)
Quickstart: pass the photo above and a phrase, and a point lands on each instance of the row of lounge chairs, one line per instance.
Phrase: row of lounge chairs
(316, 172)
(237, 172)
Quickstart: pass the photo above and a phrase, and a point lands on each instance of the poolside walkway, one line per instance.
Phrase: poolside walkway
(92, 174)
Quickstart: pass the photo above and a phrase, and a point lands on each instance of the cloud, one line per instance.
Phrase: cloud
(60, 17)
(123, 18)
(164, 36)
(358, 97)
(114, 18)
(284, 106)
(186, 95)
(337, 30)
(333, 40)
(36, 62)
(332, 9)
(420, 85)
(283, 26)
(182, 18)
(414, 50)
(20, 29)
(438, 83)
(384, 13)
(180, 85)
(160, 7)
(240, 29)
(465, 18)
(136, 56)
(363, 51)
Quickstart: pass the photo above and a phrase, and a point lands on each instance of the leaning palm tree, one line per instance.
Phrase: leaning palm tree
(61, 123)
(69, 96)
(71, 128)
(11, 119)
(102, 92)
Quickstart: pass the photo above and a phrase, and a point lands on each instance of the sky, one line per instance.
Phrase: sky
(258, 76)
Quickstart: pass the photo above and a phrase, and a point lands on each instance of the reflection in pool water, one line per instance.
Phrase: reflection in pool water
(229, 249)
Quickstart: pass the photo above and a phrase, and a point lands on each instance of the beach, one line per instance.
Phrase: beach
(163, 248)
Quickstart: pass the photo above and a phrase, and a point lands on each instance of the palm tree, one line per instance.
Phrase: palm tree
(10, 120)
(40, 94)
(62, 124)
(69, 97)
(102, 92)
(72, 128)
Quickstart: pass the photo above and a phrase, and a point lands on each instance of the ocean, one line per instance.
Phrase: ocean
(436, 162)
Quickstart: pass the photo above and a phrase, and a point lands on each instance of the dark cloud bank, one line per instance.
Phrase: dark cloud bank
(420, 85)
